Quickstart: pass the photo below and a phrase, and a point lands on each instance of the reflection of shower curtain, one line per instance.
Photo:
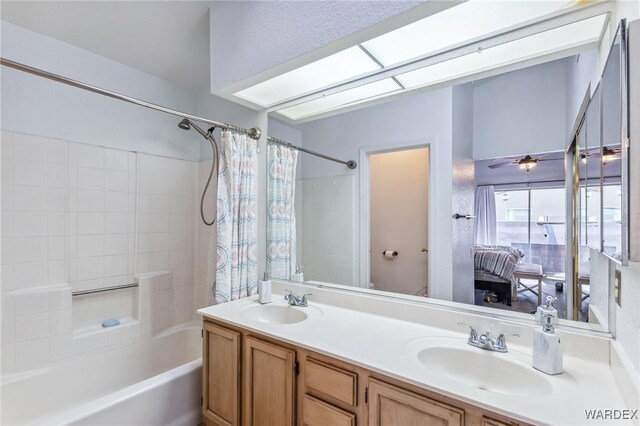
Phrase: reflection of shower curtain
(281, 216)
(485, 211)
(236, 271)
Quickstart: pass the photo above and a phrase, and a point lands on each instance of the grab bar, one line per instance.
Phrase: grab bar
(100, 290)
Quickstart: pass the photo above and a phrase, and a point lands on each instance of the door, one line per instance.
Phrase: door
(399, 218)
(391, 406)
(268, 384)
(221, 376)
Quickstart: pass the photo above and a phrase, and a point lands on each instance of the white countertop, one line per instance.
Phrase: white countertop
(390, 346)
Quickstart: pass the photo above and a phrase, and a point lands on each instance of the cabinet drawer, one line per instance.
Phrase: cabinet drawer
(319, 413)
(331, 381)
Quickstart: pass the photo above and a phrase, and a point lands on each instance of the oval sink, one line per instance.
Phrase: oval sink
(275, 314)
(489, 371)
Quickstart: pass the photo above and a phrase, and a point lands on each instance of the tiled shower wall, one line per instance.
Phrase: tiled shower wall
(328, 229)
(77, 217)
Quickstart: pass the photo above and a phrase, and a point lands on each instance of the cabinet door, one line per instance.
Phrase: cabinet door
(319, 413)
(221, 376)
(268, 386)
(391, 406)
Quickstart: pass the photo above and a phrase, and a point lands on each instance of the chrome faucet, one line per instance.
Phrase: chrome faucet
(294, 300)
(484, 341)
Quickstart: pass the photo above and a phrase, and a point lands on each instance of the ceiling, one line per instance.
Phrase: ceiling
(169, 39)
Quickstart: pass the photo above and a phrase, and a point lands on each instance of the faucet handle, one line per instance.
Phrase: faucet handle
(287, 294)
(501, 341)
(304, 298)
(473, 334)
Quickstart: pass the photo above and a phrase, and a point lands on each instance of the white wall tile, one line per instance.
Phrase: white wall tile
(60, 322)
(90, 268)
(57, 272)
(31, 354)
(28, 147)
(57, 223)
(116, 160)
(30, 302)
(116, 265)
(56, 175)
(116, 202)
(7, 251)
(7, 275)
(8, 359)
(30, 173)
(116, 244)
(91, 156)
(56, 199)
(7, 330)
(90, 201)
(29, 199)
(56, 151)
(32, 274)
(60, 300)
(90, 245)
(29, 249)
(116, 180)
(116, 223)
(31, 327)
(89, 178)
(90, 223)
(57, 248)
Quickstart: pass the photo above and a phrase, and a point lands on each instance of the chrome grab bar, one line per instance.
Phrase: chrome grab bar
(103, 289)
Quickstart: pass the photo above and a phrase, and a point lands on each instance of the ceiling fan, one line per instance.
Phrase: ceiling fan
(526, 163)
(607, 154)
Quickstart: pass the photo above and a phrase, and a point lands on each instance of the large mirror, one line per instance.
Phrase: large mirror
(457, 193)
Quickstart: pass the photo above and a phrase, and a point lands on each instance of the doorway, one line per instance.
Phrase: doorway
(399, 221)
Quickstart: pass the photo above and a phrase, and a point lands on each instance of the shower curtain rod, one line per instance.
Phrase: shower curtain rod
(253, 133)
(350, 164)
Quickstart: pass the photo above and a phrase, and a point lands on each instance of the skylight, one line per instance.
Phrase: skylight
(460, 24)
(348, 97)
(317, 75)
(555, 40)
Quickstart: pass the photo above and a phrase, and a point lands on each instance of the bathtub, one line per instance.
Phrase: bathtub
(154, 382)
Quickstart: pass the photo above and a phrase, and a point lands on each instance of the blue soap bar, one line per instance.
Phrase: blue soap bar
(110, 323)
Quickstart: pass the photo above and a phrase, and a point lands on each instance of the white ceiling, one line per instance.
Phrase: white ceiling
(169, 39)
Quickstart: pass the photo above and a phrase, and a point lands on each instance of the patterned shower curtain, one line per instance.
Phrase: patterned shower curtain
(236, 270)
(281, 215)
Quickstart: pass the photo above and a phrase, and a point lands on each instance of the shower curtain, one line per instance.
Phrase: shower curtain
(236, 269)
(281, 215)
(485, 210)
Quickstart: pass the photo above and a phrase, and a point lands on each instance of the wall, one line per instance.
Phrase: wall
(328, 235)
(463, 192)
(417, 120)
(89, 212)
(399, 187)
(33, 105)
(78, 217)
(508, 111)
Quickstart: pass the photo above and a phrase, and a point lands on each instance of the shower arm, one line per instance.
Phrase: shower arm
(253, 133)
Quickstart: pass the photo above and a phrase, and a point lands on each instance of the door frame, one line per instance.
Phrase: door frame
(364, 245)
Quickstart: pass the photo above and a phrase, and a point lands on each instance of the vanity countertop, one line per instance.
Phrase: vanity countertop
(390, 347)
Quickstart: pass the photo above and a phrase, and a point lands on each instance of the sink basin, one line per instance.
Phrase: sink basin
(489, 371)
(275, 314)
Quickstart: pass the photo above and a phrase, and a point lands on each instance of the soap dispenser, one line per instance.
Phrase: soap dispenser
(547, 309)
(298, 276)
(264, 290)
(547, 347)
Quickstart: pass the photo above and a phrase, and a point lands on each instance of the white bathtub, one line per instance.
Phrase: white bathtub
(155, 382)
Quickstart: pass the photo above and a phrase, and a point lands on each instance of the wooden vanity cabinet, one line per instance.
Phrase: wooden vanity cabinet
(269, 383)
(221, 375)
(253, 380)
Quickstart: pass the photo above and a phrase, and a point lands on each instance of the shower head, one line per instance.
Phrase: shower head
(185, 124)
